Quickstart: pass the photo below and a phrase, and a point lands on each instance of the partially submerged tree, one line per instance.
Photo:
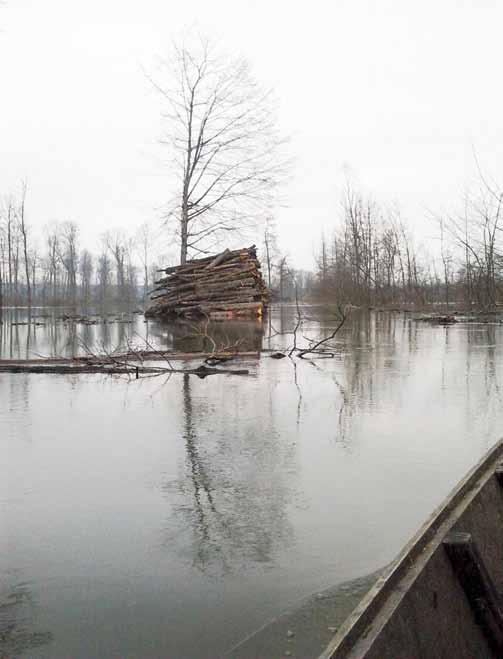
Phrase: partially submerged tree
(223, 139)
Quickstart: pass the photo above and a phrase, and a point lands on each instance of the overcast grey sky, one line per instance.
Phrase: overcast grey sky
(398, 91)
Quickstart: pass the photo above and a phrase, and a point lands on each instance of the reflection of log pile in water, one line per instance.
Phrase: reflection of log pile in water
(228, 285)
(229, 337)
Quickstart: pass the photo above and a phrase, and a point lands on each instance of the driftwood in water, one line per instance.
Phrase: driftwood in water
(133, 362)
(132, 356)
(113, 369)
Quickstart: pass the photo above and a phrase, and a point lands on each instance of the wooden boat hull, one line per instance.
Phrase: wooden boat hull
(442, 597)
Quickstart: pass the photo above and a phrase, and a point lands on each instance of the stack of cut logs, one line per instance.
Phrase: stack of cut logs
(227, 285)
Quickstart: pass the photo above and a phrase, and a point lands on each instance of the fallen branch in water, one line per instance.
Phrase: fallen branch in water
(133, 356)
(132, 363)
(112, 369)
(317, 347)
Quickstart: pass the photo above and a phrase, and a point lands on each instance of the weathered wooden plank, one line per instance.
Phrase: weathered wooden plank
(419, 609)
(498, 473)
(475, 580)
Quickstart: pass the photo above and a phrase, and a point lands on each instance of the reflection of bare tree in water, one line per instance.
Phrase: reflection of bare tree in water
(17, 632)
(383, 350)
(203, 498)
(378, 359)
(104, 335)
(232, 497)
(481, 355)
(23, 335)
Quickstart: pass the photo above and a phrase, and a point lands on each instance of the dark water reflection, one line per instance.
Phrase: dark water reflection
(234, 491)
(18, 632)
(172, 517)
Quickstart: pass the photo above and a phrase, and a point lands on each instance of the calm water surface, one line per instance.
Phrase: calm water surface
(171, 517)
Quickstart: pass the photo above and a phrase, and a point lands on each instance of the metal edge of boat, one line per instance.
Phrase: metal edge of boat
(441, 595)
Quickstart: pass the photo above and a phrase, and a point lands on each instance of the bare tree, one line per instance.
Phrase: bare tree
(86, 274)
(117, 245)
(24, 233)
(283, 272)
(53, 260)
(69, 257)
(370, 257)
(34, 264)
(446, 257)
(104, 272)
(270, 247)
(143, 248)
(224, 143)
(3, 243)
(10, 251)
(130, 273)
(475, 239)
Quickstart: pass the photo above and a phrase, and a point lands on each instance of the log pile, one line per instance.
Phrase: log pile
(223, 286)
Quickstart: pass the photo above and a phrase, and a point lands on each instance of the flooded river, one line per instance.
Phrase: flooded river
(174, 516)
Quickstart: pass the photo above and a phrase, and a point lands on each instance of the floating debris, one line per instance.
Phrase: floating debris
(438, 320)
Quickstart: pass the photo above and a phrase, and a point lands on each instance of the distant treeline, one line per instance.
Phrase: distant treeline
(371, 257)
(60, 272)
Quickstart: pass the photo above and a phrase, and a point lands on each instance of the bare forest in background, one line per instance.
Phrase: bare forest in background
(369, 259)
(57, 270)
(372, 259)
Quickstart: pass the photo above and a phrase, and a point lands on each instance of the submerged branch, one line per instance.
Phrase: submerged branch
(112, 369)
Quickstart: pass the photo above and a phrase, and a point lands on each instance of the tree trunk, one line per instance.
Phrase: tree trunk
(184, 231)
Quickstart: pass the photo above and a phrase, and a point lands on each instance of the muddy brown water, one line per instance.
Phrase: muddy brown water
(173, 517)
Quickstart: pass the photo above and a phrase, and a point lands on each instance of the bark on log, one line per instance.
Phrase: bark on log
(140, 355)
(93, 369)
(219, 259)
(198, 263)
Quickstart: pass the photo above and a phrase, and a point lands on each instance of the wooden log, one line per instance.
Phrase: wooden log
(201, 290)
(236, 306)
(237, 273)
(204, 309)
(232, 294)
(140, 355)
(245, 279)
(65, 369)
(224, 298)
(198, 263)
(219, 259)
(231, 297)
(235, 263)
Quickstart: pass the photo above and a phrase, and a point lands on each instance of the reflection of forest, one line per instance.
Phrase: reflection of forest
(373, 354)
(42, 332)
(382, 351)
(232, 496)
(481, 356)
(17, 630)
